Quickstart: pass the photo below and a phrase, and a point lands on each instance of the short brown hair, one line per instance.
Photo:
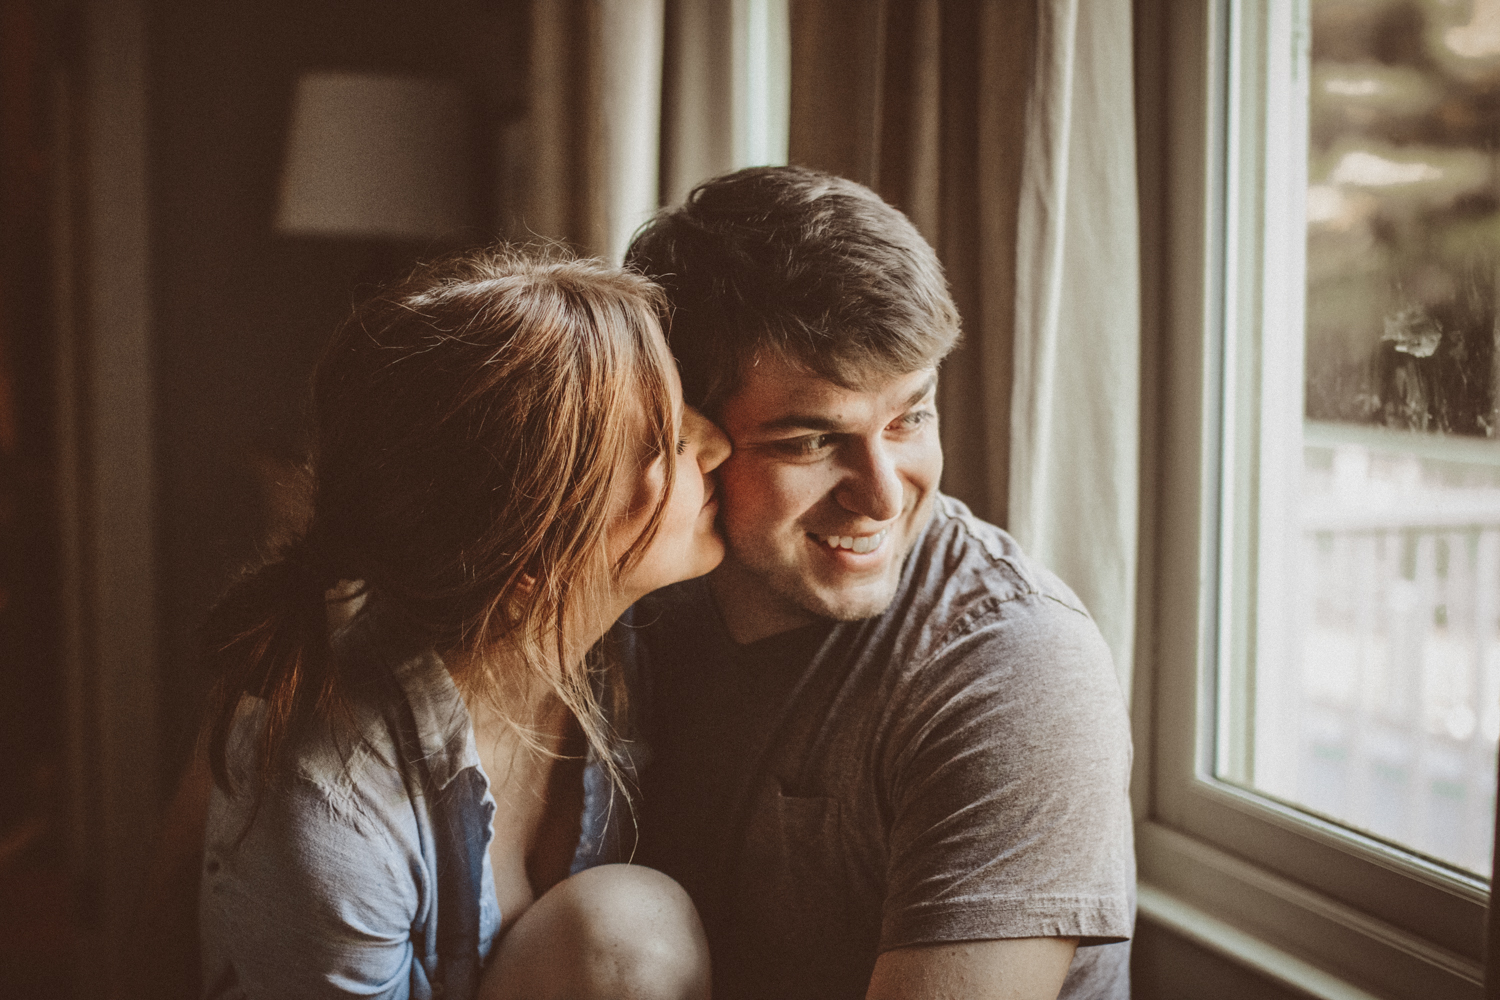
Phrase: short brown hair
(471, 423)
(805, 266)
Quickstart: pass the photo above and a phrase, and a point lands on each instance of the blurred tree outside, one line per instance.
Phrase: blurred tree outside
(1403, 215)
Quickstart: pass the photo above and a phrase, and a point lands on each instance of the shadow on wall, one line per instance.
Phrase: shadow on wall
(1177, 969)
(237, 315)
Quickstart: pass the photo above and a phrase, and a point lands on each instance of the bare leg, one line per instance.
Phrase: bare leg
(616, 932)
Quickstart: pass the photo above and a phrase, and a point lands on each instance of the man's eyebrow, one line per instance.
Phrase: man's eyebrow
(800, 422)
(813, 422)
(923, 392)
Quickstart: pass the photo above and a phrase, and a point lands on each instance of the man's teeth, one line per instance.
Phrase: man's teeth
(862, 543)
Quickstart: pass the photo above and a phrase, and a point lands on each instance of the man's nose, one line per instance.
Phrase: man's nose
(872, 486)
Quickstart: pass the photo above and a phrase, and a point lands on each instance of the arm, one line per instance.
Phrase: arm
(1014, 969)
(1011, 823)
(317, 900)
(319, 895)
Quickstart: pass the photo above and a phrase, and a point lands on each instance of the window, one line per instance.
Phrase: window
(1359, 580)
(1326, 608)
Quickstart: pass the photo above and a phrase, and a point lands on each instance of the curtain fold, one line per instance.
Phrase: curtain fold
(1005, 131)
(594, 122)
(632, 102)
(697, 135)
(1076, 406)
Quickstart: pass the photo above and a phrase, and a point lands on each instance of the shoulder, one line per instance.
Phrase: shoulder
(318, 882)
(343, 781)
(967, 577)
(1005, 746)
(961, 559)
(314, 888)
(981, 631)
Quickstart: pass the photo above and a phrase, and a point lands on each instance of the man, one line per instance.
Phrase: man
(888, 755)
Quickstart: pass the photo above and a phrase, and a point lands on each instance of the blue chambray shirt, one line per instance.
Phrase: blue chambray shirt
(332, 890)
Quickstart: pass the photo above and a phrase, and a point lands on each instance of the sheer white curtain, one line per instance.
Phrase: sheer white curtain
(1074, 441)
(594, 122)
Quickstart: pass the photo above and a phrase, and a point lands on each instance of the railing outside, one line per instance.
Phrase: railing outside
(1396, 710)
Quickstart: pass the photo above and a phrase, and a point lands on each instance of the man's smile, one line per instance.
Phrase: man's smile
(860, 544)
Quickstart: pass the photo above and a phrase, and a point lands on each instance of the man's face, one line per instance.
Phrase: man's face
(826, 491)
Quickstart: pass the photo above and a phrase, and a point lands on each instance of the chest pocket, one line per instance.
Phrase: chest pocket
(793, 887)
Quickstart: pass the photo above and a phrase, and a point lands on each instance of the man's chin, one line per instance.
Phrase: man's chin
(846, 604)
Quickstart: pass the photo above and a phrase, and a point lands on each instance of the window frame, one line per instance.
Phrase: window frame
(1310, 897)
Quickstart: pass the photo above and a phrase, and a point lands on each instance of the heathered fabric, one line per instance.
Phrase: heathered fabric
(954, 769)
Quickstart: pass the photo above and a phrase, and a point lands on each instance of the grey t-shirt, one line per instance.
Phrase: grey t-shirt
(954, 769)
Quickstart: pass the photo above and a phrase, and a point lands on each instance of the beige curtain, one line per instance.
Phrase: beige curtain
(632, 103)
(1005, 131)
(1075, 414)
(591, 138)
(697, 95)
(724, 90)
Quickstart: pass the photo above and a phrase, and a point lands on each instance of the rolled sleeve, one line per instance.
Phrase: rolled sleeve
(1010, 775)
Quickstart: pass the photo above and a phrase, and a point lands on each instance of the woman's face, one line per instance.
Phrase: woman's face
(687, 544)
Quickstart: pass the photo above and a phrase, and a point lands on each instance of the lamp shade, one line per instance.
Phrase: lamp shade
(377, 156)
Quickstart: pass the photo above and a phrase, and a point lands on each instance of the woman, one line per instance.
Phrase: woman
(503, 465)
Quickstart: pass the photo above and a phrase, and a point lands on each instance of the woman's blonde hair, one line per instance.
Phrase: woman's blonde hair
(472, 423)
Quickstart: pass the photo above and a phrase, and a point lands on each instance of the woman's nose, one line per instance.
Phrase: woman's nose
(713, 444)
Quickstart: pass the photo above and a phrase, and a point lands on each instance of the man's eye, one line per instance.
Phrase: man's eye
(810, 445)
(916, 419)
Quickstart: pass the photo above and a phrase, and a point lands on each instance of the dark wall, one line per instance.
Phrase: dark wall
(1165, 966)
(241, 311)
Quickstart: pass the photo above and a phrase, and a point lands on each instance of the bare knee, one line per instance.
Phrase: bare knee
(620, 932)
(638, 934)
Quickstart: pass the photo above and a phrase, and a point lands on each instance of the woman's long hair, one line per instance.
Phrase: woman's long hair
(472, 424)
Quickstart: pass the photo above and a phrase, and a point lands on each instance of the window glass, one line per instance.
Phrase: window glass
(1360, 630)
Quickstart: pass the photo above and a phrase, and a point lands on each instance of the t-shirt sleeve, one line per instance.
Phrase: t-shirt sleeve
(315, 901)
(1008, 780)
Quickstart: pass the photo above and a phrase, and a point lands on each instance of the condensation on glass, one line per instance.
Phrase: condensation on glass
(1373, 695)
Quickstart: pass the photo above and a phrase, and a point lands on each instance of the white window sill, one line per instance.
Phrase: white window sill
(1286, 932)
